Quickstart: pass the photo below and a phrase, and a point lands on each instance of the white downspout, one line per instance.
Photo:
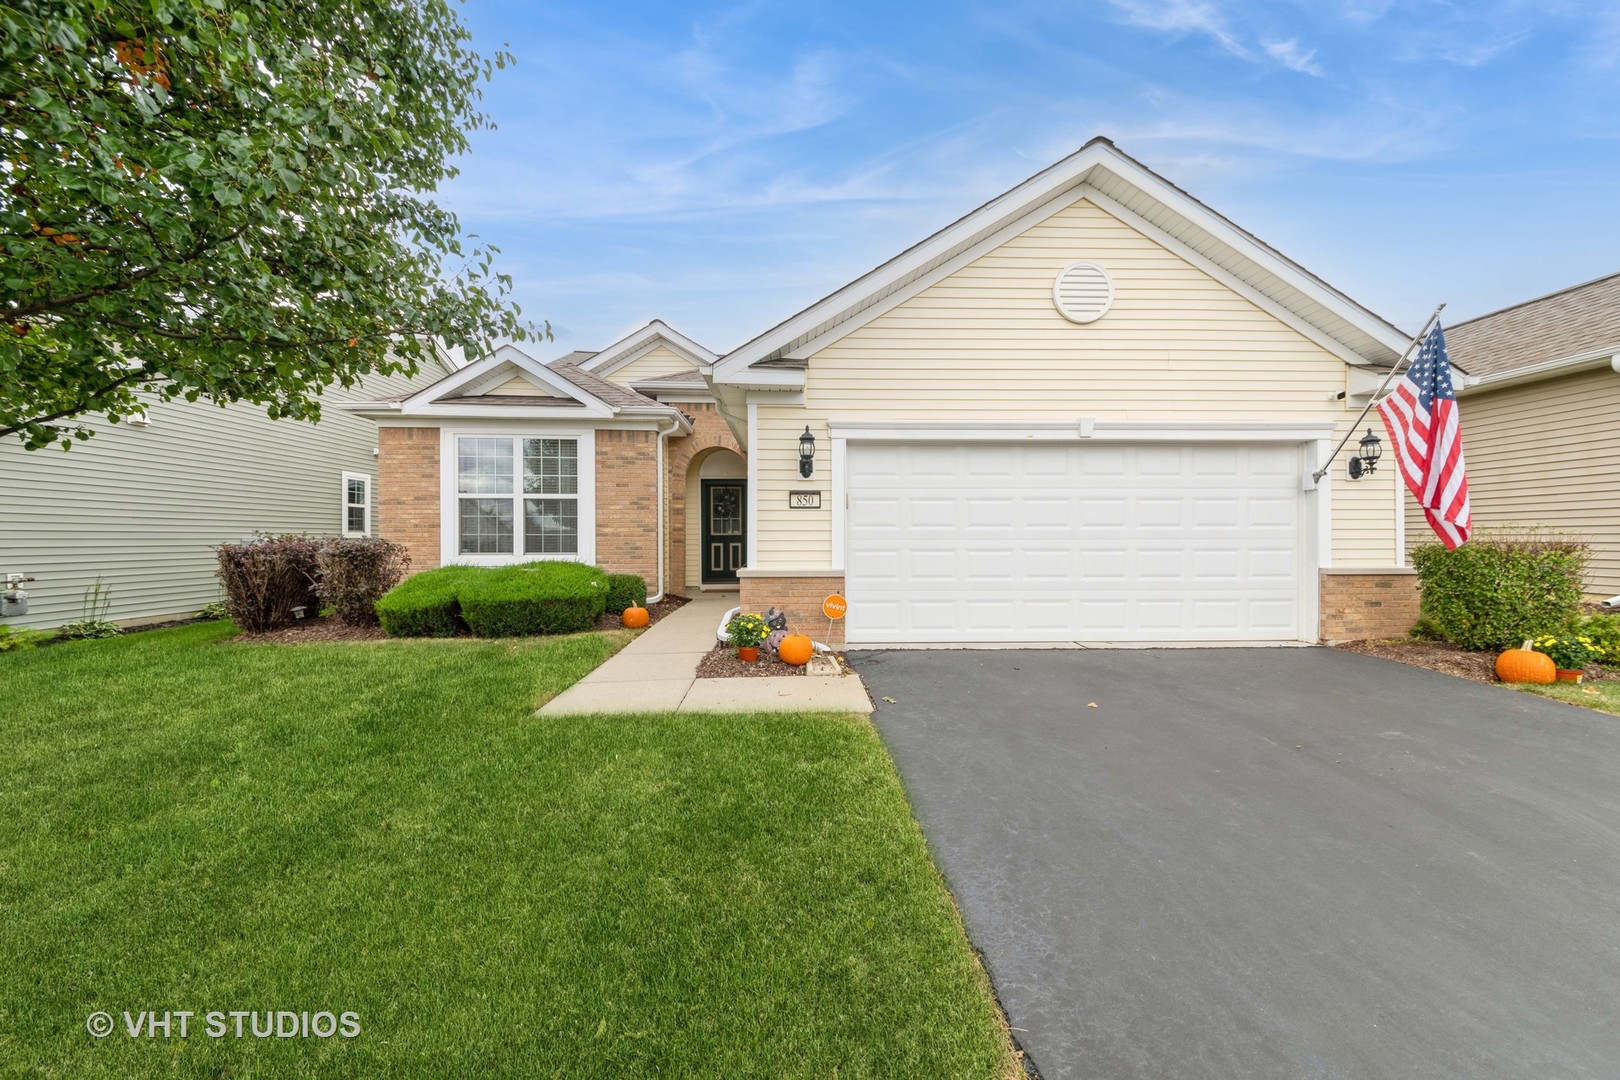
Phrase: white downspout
(662, 510)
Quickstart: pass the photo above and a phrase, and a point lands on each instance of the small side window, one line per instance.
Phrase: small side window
(356, 504)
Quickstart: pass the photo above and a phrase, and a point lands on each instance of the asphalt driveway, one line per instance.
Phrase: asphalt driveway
(1270, 862)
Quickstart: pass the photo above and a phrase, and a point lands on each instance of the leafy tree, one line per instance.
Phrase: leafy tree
(228, 199)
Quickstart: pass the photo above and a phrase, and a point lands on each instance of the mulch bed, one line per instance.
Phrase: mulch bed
(309, 631)
(721, 663)
(1447, 659)
(655, 612)
(330, 628)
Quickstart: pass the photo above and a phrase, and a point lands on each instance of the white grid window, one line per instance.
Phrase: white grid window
(491, 520)
(356, 504)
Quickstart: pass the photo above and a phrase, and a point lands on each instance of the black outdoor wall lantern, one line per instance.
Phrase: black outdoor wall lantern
(807, 453)
(1366, 462)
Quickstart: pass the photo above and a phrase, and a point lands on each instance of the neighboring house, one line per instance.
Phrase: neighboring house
(618, 458)
(1540, 407)
(1089, 410)
(141, 505)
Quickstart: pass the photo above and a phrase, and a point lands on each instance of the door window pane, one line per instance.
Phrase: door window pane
(484, 467)
(725, 511)
(550, 526)
(550, 466)
(486, 526)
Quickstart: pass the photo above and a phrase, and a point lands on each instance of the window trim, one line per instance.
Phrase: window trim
(450, 498)
(345, 504)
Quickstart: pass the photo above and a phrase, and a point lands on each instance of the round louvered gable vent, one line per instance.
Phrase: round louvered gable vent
(1083, 292)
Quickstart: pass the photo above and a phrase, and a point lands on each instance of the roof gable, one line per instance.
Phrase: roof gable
(652, 335)
(1131, 192)
(476, 385)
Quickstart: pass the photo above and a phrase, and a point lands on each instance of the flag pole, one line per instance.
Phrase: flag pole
(1316, 477)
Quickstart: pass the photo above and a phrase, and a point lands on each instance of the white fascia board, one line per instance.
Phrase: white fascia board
(1080, 429)
(364, 407)
(641, 340)
(763, 379)
(1287, 317)
(1193, 211)
(437, 400)
(1038, 188)
(1055, 184)
(1608, 356)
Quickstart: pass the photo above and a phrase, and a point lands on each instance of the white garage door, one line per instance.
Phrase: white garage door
(990, 542)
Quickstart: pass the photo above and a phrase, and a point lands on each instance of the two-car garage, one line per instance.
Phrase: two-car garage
(1158, 541)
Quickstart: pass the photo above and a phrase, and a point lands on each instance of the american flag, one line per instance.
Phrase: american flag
(1421, 417)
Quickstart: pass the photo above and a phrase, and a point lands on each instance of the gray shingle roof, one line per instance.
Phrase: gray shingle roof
(621, 397)
(1577, 320)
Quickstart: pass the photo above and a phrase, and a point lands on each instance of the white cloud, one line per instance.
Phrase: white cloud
(1289, 54)
(1183, 17)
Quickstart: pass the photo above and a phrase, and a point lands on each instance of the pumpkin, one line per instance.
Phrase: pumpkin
(1525, 665)
(634, 618)
(795, 649)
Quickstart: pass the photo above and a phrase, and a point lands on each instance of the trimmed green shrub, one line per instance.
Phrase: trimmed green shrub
(355, 571)
(625, 591)
(1496, 591)
(534, 598)
(1604, 633)
(426, 604)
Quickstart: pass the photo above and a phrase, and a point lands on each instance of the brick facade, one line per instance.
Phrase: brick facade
(709, 431)
(627, 504)
(798, 595)
(408, 491)
(1358, 604)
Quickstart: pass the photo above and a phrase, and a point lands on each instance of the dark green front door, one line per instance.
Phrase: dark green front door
(725, 532)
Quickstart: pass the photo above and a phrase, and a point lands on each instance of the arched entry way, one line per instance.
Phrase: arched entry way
(716, 517)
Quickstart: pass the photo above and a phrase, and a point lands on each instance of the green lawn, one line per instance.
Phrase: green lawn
(1603, 696)
(388, 829)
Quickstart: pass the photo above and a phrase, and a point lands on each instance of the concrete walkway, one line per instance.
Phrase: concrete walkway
(657, 672)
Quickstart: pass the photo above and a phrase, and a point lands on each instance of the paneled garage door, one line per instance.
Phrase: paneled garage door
(1091, 542)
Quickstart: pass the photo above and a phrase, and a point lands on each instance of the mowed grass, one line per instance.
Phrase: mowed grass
(388, 829)
(1603, 695)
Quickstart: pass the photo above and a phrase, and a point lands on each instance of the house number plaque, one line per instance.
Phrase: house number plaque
(804, 500)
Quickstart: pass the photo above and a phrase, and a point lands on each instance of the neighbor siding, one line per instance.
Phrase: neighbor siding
(1545, 454)
(142, 506)
(986, 344)
(655, 363)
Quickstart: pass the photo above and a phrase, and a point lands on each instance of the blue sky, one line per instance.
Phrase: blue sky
(723, 165)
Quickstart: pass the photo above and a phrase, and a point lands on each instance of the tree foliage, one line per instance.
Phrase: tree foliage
(231, 201)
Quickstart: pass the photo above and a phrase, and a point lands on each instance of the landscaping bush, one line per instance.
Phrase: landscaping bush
(534, 598)
(625, 591)
(356, 571)
(1496, 591)
(426, 604)
(265, 578)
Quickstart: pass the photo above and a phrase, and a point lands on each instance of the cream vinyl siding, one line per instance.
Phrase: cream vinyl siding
(142, 506)
(986, 344)
(658, 361)
(1545, 453)
(518, 386)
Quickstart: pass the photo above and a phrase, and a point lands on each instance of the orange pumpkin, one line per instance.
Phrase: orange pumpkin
(1525, 665)
(795, 649)
(634, 618)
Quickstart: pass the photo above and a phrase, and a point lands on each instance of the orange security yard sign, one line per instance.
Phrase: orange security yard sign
(834, 606)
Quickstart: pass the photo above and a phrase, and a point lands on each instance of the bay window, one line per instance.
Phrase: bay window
(517, 496)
